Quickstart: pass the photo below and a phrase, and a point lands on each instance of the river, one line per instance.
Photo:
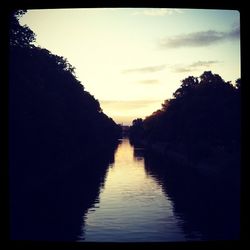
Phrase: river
(126, 195)
(132, 205)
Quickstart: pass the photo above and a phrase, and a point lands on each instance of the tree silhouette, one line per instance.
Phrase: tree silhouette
(201, 122)
(60, 141)
(136, 131)
(187, 87)
(238, 84)
(53, 122)
(19, 35)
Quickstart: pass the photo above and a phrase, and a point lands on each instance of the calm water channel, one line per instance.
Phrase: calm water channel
(129, 196)
(132, 205)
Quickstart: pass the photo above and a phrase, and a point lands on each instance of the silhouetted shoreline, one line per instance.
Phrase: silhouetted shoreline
(61, 145)
(60, 142)
(207, 205)
(200, 127)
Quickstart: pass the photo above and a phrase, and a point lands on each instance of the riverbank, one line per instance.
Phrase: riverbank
(208, 206)
(218, 165)
(51, 207)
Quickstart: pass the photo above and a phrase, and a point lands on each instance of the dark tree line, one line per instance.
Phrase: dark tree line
(193, 148)
(60, 142)
(54, 124)
(201, 123)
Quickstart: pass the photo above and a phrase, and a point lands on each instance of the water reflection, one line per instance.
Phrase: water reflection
(129, 196)
(138, 154)
(53, 211)
(206, 209)
(132, 206)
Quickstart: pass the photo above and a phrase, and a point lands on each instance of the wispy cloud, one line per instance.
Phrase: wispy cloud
(199, 39)
(180, 69)
(145, 69)
(125, 105)
(157, 12)
(203, 63)
(193, 66)
(150, 81)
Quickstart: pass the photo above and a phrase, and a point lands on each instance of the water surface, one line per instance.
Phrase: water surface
(132, 206)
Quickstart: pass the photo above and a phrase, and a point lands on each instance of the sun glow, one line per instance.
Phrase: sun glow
(139, 56)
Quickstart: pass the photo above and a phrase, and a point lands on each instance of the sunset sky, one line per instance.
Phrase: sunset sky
(132, 59)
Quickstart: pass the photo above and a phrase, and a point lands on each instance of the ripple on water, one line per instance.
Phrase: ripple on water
(132, 206)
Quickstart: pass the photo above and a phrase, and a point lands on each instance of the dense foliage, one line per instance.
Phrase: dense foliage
(53, 121)
(193, 148)
(201, 121)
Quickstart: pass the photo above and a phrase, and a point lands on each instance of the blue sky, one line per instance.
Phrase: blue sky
(132, 59)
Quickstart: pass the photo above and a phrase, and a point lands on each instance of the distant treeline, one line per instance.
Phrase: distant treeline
(200, 126)
(53, 121)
